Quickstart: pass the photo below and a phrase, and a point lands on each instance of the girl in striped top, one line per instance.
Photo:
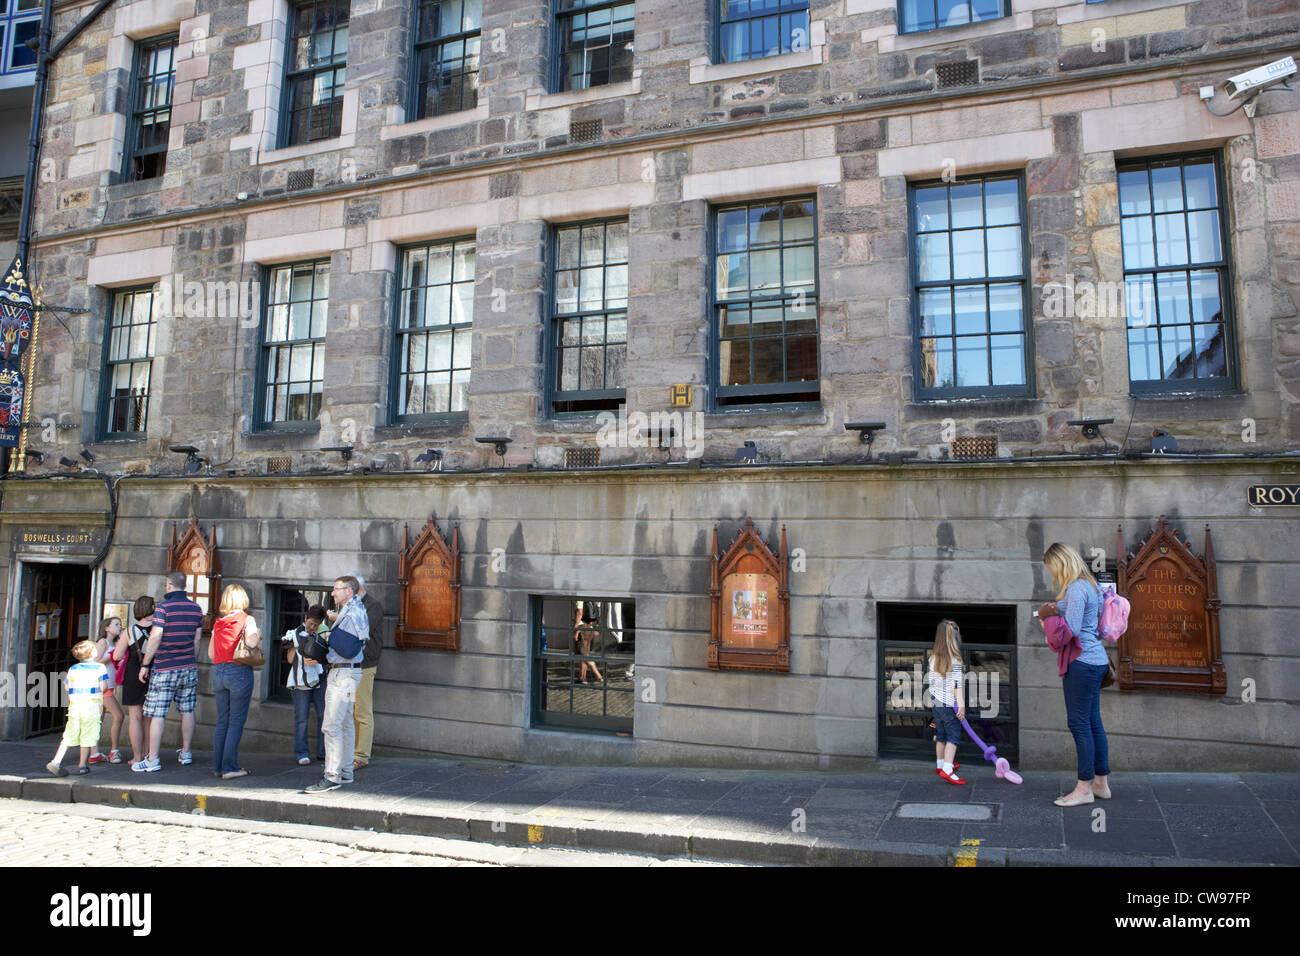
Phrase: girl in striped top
(946, 701)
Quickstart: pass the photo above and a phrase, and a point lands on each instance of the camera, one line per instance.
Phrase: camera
(1259, 78)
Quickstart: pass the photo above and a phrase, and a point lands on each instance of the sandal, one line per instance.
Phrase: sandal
(82, 771)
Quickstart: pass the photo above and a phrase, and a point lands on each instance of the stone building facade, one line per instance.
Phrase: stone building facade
(845, 156)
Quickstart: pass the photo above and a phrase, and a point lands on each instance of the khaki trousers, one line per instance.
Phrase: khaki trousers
(364, 714)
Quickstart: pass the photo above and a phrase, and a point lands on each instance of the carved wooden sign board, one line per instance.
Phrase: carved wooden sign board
(199, 560)
(749, 592)
(428, 582)
(1172, 641)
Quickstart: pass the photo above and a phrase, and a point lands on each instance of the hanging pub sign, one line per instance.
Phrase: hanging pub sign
(1172, 641)
(198, 559)
(749, 590)
(15, 333)
(428, 582)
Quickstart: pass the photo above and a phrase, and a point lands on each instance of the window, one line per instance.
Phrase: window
(20, 21)
(293, 342)
(129, 363)
(969, 274)
(765, 302)
(595, 46)
(286, 607)
(1176, 277)
(918, 15)
(434, 313)
(151, 112)
(583, 657)
(749, 29)
(317, 68)
(589, 316)
(446, 54)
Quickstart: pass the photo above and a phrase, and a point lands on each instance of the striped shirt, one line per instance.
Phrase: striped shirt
(943, 688)
(87, 681)
(179, 617)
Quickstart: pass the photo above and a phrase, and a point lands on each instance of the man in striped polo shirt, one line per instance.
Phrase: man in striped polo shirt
(170, 666)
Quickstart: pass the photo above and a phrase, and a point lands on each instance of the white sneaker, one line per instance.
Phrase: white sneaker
(147, 766)
(184, 757)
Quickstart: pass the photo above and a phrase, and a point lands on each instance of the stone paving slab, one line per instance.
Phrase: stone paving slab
(779, 817)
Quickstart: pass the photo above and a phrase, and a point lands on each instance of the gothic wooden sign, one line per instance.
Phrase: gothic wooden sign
(749, 589)
(428, 582)
(1172, 641)
(199, 561)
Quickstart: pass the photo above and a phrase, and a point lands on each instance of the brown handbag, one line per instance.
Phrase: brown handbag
(249, 656)
(1111, 674)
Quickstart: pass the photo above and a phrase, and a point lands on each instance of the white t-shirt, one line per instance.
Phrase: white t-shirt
(943, 688)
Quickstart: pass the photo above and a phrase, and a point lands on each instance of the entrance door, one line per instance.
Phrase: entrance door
(60, 602)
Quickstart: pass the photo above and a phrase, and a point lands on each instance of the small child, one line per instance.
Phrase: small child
(306, 681)
(946, 699)
(86, 683)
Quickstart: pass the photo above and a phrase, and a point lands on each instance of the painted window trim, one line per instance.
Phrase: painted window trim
(106, 365)
(1004, 7)
(260, 424)
(133, 124)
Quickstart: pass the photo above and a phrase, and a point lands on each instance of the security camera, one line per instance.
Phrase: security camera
(1259, 78)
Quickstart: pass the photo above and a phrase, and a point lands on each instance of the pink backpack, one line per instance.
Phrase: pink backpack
(1113, 620)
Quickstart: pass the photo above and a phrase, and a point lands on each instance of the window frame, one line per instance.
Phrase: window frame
(418, 82)
(542, 719)
(104, 414)
(262, 381)
(1004, 7)
(558, 19)
(1219, 385)
(134, 126)
(931, 395)
(551, 393)
(718, 21)
(272, 633)
(291, 77)
(715, 336)
(395, 367)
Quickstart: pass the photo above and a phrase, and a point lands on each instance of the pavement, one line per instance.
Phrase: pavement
(898, 814)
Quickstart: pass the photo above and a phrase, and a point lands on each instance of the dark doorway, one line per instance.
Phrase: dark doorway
(59, 598)
(988, 639)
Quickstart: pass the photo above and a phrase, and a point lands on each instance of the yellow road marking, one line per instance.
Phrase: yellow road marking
(202, 800)
(968, 855)
(534, 833)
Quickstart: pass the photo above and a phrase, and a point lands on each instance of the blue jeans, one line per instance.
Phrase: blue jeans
(1082, 685)
(232, 687)
(302, 703)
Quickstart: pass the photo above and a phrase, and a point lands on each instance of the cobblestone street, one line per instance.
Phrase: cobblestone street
(33, 833)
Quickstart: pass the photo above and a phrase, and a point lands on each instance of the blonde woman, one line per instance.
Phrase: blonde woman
(109, 631)
(232, 683)
(1078, 600)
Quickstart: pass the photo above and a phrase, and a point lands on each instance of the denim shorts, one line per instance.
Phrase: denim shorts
(947, 727)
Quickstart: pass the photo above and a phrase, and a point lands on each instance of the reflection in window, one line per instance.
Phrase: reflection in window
(970, 284)
(293, 337)
(765, 300)
(435, 314)
(595, 47)
(589, 319)
(446, 51)
(750, 29)
(317, 69)
(918, 15)
(151, 117)
(583, 663)
(129, 364)
(1175, 272)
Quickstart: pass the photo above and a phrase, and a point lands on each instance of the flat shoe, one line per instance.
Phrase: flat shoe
(235, 774)
(1102, 794)
(304, 761)
(1072, 800)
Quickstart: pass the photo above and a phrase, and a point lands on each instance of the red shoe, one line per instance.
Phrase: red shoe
(97, 758)
(953, 778)
(939, 770)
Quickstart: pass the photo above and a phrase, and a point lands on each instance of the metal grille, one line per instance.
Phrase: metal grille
(586, 131)
(961, 73)
(585, 457)
(277, 464)
(301, 179)
(975, 446)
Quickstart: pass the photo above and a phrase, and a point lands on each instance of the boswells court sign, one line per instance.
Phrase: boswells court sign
(15, 334)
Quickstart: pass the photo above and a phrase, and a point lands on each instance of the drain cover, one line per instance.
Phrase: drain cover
(965, 812)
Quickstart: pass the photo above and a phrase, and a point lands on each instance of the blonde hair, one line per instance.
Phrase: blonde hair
(947, 647)
(1066, 566)
(233, 598)
(83, 650)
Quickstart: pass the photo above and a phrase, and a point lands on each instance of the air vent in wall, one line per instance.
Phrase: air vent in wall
(585, 457)
(586, 131)
(961, 73)
(301, 179)
(975, 446)
(278, 464)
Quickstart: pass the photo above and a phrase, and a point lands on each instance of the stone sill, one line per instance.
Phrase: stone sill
(447, 428)
(982, 407)
(536, 99)
(887, 40)
(750, 418)
(1082, 12)
(270, 433)
(703, 71)
(346, 141)
(433, 124)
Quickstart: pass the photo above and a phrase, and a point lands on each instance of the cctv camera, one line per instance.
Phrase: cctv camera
(1257, 79)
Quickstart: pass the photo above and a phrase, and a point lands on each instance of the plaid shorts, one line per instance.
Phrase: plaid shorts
(181, 685)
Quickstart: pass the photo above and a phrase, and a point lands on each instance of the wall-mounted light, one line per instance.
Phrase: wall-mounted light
(1162, 441)
(866, 431)
(90, 459)
(344, 450)
(432, 459)
(36, 456)
(747, 452)
(194, 462)
(67, 462)
(1091, 426)
(498, 443)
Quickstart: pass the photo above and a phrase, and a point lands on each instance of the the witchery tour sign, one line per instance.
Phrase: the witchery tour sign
(15, 334)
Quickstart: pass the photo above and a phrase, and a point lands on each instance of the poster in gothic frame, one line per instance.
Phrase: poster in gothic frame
(1172, 641)
(428, 582)
(196, 557)
(749, 594)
